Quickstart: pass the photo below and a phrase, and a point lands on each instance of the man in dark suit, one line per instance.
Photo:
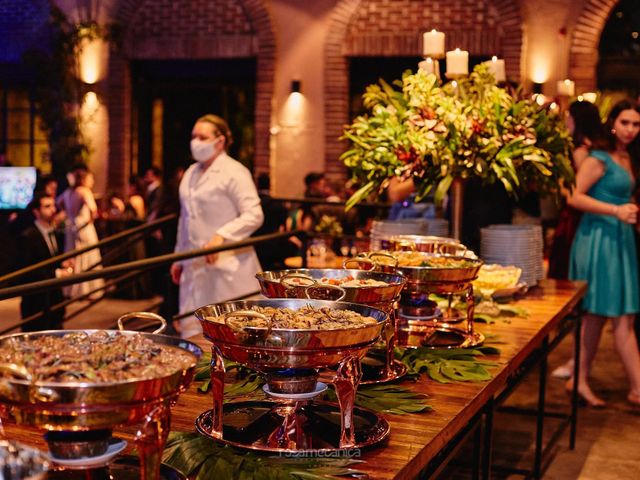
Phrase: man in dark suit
(37, 243)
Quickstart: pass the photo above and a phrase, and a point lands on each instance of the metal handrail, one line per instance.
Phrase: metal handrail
(72, 253)
(323, 201)
(144, 264)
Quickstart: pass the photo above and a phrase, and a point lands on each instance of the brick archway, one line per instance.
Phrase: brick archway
(167, 29)
(394, 28)
(583, 54)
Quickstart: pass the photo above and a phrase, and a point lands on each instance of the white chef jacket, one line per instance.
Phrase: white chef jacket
(221, 200)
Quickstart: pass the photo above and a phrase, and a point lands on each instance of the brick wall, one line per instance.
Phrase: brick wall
(175, 29)
(20, 22)
(394, 28)
(583, 54)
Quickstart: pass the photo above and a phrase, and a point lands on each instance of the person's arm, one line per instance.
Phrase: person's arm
(398, 189)
(88, 198)
(590, 172)
(245, 197)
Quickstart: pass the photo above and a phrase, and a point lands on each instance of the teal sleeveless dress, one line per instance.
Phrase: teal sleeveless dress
(604, 249)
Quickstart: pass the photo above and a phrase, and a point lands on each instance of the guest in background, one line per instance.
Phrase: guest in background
(585, 126)
(604, 249)
(154, 196)
(37, 243)
(219, 204)
(80, 207)
(271, 254)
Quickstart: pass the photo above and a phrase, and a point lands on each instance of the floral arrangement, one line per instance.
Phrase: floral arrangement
(329, 225)
(436, 133)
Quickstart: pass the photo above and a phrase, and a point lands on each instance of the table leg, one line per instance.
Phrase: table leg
(576, 372)
(542, 389)
(477, 449)
(487, 443)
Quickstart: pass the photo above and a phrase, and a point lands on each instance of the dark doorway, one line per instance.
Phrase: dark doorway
(620, 50)
(168, 96)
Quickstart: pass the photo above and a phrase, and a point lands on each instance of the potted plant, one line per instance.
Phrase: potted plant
(439, 134)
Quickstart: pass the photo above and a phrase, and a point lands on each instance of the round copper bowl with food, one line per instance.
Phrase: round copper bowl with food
(427, 244)
(426, 272)
(291, 333)
(76, 380)
(376, 289)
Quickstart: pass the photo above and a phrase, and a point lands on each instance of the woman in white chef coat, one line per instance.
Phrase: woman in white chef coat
(218, 204)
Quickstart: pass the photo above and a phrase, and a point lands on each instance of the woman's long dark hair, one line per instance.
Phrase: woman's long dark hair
(609, 140)
(588, 125)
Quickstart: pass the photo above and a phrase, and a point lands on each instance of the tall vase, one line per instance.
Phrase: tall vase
(457, 196)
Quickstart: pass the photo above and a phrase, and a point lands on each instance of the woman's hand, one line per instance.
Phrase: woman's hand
(216, 241)
(627, 213)
(176, 273)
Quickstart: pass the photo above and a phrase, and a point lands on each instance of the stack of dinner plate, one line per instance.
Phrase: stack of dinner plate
(383, 230)
(519, 245)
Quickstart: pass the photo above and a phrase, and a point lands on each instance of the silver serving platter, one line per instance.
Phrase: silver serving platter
(266, 348)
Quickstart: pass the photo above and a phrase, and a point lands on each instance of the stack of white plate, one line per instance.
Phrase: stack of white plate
(519, 245)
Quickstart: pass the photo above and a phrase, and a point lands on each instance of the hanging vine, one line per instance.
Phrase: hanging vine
(55, 87)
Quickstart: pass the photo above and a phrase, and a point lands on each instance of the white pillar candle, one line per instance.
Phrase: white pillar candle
(566, 88)
(433, 44)
(497, 68)
(427, 65)
(457, 62)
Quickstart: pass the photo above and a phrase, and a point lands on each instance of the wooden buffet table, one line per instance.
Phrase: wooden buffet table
(417, 441)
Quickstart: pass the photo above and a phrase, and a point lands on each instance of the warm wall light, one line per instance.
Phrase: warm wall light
(93, 57)
(590, 96)
(537, 87)
(295, 86)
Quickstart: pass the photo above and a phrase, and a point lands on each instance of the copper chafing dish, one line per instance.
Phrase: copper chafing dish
(304, 283)
(261, 348)
(427, 244)
(299, 283)
(439, 279)
(88, 406)
(283, 354)
(422, 280)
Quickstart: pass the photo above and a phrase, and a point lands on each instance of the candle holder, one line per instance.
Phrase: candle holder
(435, 62)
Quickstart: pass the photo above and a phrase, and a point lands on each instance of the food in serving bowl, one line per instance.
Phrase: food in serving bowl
(305, 318)
(269, 348)
(405, 258)
(95, 357)
(376, 289)
(494, 278)
(348, 281)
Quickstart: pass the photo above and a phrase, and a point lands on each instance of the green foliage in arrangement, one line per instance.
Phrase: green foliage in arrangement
(434, 133)
(201, 458)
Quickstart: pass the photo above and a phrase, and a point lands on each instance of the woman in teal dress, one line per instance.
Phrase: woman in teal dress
(604, 250)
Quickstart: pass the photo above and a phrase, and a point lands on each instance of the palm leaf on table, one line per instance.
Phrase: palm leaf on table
(451, 365)
(387, 399)
(194, 454)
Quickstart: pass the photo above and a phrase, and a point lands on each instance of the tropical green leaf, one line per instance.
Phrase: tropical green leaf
(387, 399)
(202, 458)
(445, 366)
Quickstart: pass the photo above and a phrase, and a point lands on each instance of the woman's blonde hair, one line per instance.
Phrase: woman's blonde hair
(221, 126)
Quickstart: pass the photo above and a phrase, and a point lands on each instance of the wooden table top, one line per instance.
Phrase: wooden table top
(417, 438)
